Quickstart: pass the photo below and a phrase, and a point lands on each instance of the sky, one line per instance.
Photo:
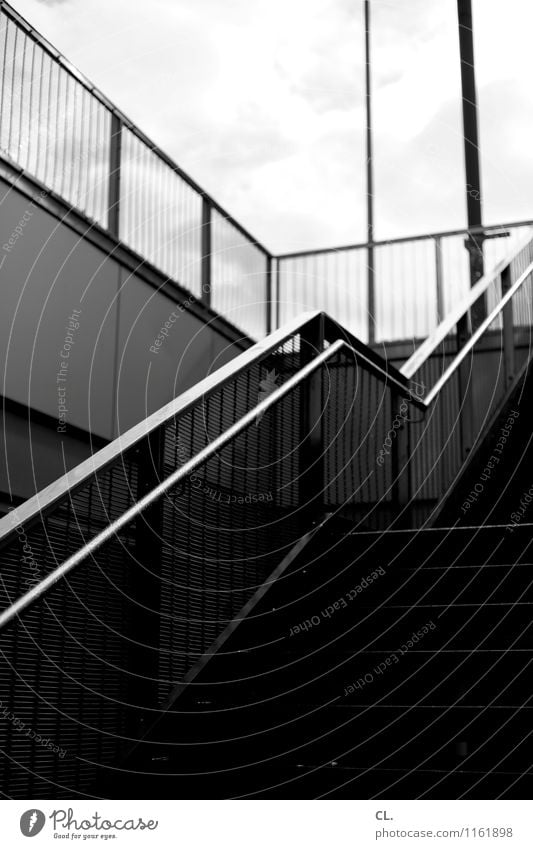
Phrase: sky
(262, 103)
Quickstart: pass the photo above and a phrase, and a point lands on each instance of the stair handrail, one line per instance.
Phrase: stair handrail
(38, 590)
(446, 326)
(476, 336)
(43, 500)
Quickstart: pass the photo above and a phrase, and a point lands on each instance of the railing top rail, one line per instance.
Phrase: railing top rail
(100, 459)
(424, 351)
(33, 594)
(473, 231)
(58, 57)
(47, 497)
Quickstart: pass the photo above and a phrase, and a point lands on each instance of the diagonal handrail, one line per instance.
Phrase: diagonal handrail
(458, 359)
(42, 501)
(178, 475)
(426, 349)
(37, 591)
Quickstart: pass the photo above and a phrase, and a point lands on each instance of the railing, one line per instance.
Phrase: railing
(66, 134)
(117, 579)
(62, 131)
(417, 281)
(467, 375)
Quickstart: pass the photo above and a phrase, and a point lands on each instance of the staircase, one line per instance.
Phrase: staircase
(388, 665)
(269, 588)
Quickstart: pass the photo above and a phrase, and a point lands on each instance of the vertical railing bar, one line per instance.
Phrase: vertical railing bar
(278, 284)
(508, 329)
(115, 151)
(371, 284)
(12, 91)
(206, 247)
(63, 189)
(2, 101)
(101, 197)
(56, 137)
(30, 109)
(82, 159)
(438, 279)
(48, 121)
(39, 112)
(311, 453)
(465, 388)
(269, 294)
(401, 460)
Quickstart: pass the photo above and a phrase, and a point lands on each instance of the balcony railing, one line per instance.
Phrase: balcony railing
(64, 133)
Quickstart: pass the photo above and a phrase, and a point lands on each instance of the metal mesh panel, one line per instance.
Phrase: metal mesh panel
(84, 668)
(356, 421)
(435, 436)
(62, 666)
(51, 125)
(161, 215)
(226, 526)
(239, 277)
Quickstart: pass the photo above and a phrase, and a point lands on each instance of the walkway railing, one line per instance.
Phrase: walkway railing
(116, 580)
(417, 281)
(63, 132)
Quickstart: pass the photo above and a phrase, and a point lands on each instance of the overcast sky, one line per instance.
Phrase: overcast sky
(262, 102)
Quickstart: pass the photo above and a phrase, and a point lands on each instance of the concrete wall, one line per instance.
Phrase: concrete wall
(79, 342)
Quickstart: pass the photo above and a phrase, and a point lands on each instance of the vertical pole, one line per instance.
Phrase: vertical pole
(206, 251)
(146, 569)
(508, 330)
(465, 390)
(401, 470)
(438, 279)
(474, 241)
(278, 290)
(371, 295)
(115, 152)
(268, 286)
(311, 441)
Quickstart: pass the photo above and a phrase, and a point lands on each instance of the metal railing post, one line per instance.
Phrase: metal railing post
(268, 295)
(438, 279)
(278, 291)
(401, 470)
(508, 329)
(311, 430)
(465, 389)
(206, 245)
(115, 154)
(371, 294)
(147, 567)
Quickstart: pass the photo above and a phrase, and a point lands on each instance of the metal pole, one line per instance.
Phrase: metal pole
(438, 279)
(115, 152)
(207, 260)
(268, 293)
(369, 182)
(474, 244)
